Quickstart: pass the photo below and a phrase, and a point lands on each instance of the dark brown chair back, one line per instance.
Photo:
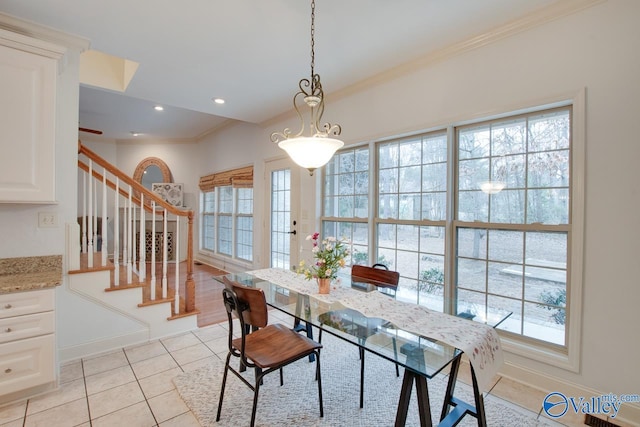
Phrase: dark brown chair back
(375, 276)
(256, 314)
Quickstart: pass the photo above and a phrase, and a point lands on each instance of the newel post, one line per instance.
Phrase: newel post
(190, 287)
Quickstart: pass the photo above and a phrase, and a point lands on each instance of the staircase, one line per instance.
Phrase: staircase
(124, 253)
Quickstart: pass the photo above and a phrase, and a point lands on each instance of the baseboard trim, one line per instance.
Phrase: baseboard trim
(72, 353)
(629, 413)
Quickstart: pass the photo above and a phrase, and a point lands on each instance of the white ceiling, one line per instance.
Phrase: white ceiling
(252, 53)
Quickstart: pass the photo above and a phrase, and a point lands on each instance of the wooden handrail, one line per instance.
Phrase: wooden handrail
(128, 180)
(149, 196)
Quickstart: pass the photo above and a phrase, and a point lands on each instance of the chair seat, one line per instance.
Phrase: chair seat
(275, 345)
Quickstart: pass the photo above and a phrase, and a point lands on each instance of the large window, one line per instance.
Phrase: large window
(476, 218)
(412, 208)
(227, 213)
(512, 244)
(346, 201)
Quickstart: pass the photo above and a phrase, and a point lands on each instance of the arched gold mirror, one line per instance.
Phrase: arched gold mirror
(150, 170)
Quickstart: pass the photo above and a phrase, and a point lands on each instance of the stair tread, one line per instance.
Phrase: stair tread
(144, 285)
(97, 264)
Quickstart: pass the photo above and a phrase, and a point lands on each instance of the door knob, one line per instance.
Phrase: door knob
(293, 232)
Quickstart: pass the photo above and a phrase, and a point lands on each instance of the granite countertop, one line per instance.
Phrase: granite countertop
(30, 273)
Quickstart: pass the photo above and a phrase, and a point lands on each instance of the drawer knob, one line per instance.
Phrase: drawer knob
(7, 371)
(8, 330)
(8, 306)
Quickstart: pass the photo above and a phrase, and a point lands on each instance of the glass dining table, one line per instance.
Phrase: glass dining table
(374, 330)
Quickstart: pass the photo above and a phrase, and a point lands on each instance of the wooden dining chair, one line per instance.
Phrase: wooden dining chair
(386, 281)
(267, 347)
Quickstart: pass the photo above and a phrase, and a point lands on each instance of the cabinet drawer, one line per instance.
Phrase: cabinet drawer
(26, 363)
(19, 303)
(27, 326)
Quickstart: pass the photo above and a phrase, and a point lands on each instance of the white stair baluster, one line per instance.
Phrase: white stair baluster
(95, 215)
(129, 224)
(116, 235)
(104, 217)
(142, 266)
(84, 213)
(153, 250)
(164, 254)
(90, 221)
(176, 252)
(134, 242)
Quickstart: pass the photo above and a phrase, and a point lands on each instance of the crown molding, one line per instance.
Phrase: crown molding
(40, 32)
(537, 18)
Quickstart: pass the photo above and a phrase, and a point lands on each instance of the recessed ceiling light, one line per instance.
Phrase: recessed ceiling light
(158, 108)
(135, 133)
(218, 100)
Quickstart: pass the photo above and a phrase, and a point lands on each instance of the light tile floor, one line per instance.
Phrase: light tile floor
(133, 386)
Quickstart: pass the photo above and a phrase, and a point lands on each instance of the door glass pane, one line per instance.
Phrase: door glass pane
(280, 218)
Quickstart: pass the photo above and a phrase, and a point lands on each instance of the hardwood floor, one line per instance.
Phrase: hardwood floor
(208, 293)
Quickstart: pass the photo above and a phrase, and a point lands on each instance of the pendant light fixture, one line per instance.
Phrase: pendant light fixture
(317, 148)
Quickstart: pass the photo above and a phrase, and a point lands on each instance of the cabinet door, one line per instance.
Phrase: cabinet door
(26, 363)
(27, 126)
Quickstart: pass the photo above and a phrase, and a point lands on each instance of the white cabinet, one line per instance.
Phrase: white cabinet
(28, 80)
(27, 341)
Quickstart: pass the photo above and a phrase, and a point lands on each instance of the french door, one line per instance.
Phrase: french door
(283, 189)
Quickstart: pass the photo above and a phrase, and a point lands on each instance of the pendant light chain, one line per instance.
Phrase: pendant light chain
(313, 31)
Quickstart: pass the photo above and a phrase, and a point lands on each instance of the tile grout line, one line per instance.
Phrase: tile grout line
(86, 391)
(146, 400)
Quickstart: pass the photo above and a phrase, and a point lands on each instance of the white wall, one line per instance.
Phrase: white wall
(181, 159)
(594, 49)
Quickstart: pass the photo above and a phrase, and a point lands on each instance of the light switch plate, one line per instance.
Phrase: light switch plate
(47, 219)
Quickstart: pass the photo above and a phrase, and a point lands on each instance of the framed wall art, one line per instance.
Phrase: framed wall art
(170, 192)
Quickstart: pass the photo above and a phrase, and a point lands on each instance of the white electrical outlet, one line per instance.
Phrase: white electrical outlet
(47, 219)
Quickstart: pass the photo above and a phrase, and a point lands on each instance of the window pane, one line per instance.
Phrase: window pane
(357, 236)
(209, 201)
(244, 238)
(473, 206)
(245, 200)
(472, 243)
(226, 199)
(507, 207)
(224, 234)
(549, 131)
(411, 153)
(508, 137)
(549, 206)
(208, 232)
(346, 176)
(417, 253)
(474, 142)
(472, 274)
(434, 177)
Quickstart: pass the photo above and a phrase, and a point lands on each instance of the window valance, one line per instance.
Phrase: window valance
(238, 178)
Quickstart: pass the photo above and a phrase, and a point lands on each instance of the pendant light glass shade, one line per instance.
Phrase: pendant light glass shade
(311, 152)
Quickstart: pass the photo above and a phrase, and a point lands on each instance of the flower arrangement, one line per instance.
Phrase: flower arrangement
(330, 256)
